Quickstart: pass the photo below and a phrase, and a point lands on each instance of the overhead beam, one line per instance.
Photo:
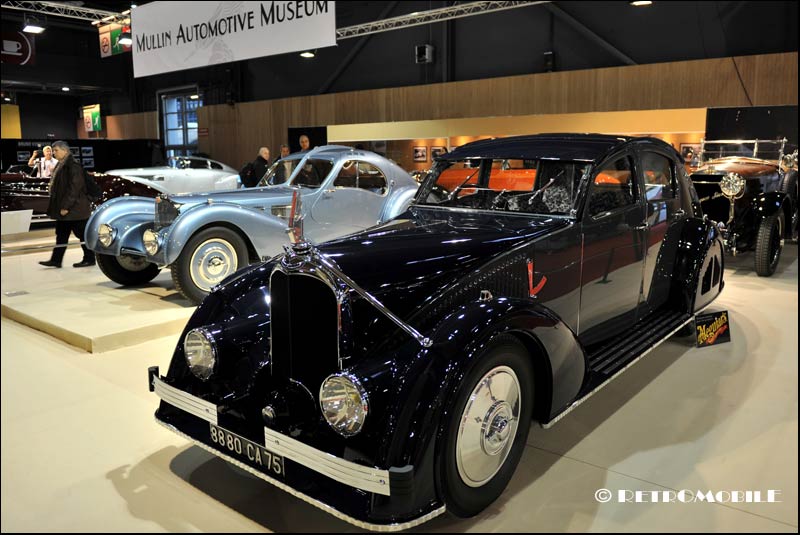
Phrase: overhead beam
(578, 25)
(58, 9)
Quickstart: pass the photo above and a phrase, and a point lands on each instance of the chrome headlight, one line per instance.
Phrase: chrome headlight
(284, 211)
(344, 404)
(732, 184)
(152, 241)
(106, 234)
(200, 350)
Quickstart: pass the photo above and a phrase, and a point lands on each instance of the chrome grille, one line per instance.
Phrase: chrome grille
(166, 212)
(304, 329)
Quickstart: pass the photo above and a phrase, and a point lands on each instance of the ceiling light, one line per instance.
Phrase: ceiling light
(125, 39)
(307, 54)
(7, 99)
(640, 3)
(32, 25)
(65, 88)
(194, 97)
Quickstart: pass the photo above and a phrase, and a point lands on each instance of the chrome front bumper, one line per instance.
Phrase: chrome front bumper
(347, 472)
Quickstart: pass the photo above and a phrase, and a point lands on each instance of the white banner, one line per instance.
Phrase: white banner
(172, 36)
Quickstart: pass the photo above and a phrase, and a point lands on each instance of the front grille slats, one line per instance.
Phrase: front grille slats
(166, 213)
(305, 335)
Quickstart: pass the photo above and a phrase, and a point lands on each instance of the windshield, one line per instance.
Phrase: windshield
(186, 163)
(507, 185)
(310, 175)
(766, 150)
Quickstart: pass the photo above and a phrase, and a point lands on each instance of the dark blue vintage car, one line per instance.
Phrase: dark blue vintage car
(392, 375)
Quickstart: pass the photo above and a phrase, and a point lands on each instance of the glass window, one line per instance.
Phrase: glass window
(658, 177)
(312, 173)
(174, 120)
(612, 188)
(280, 172)
(513, 185)
(215, 165)
(191, 136)
(348, 175)
(371, 178)
(174, 137)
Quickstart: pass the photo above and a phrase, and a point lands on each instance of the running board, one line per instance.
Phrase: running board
(608, 361)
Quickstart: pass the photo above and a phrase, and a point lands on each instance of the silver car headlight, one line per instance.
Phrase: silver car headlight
(152, 241)
(282, 210)
(344, 403)
(732, 184)
(106, 234)
(200, 350)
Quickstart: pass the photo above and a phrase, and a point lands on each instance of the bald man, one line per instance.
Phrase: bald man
(260, 166)
(305, 144)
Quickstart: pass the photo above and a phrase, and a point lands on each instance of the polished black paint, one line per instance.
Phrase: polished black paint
(429, 267)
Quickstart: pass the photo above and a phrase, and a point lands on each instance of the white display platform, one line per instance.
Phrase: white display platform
(15, 222)
(84, 308)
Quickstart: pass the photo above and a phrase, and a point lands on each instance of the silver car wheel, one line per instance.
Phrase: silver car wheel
(133, 262)
(211, 262)
(488, 426)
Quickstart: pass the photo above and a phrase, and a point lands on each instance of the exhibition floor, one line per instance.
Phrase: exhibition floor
(81, 450)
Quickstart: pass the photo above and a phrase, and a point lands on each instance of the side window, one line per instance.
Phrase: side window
(347, 175)
(612, 188)
(215, 165)
(659, 178)
(371, 178)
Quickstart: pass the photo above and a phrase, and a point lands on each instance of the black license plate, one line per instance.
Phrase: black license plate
(248, 451)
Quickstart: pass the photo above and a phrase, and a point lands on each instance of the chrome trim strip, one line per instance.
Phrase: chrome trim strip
(347, 472)
(385, 528)
(186, 402)
(578, 403)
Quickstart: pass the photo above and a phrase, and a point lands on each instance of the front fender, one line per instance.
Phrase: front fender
(416, 392)
(130, 216)
(768, 204)
(398, 203)
(265, 232)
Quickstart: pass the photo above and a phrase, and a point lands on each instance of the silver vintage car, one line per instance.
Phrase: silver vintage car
(205, 237)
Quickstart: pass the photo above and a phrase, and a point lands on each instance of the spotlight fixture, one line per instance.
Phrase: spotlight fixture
(308, 54)
(65, 88)
(6, 99)
(32, 25)
(125, 39)
(641, 3)
(194, 97)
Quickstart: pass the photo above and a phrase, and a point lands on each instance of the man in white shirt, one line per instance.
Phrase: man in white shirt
(45, 164)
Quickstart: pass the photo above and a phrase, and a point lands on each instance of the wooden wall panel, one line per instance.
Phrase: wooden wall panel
(123, 126)
(236, 132)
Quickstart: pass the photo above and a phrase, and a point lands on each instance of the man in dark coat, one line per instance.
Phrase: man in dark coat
(260, 166)
(69, 205)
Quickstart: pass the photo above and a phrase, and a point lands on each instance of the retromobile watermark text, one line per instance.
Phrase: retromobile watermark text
(687, 496)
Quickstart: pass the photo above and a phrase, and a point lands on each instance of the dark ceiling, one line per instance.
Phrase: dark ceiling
(581, 35)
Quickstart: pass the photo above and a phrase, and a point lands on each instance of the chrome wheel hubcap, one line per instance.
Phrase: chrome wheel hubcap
(211, 262)
(488, 426)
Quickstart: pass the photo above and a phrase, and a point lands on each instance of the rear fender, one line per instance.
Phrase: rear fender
(699, 266)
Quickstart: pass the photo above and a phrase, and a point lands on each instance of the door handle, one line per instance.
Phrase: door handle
(641, 227)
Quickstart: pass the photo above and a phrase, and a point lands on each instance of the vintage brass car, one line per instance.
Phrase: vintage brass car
(749, 186)
(393, 374)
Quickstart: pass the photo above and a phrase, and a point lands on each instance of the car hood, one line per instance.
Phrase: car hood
(266, 196)
(743, 166)
(410, 260)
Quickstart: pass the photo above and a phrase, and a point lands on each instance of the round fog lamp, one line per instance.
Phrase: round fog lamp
(200, 351)
(344, 404)
(151, 241)
(106, 234)
(731, 184)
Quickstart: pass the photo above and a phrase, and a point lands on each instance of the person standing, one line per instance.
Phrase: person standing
(284, 151)
(252, 173)
(305, 143)
(45, 164)
(69, 205)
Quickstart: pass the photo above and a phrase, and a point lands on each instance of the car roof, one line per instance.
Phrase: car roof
(581, 147)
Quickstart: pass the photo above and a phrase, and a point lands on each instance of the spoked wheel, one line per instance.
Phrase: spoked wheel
(485, 437)
(769, 244)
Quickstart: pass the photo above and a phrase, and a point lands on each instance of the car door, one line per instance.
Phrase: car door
(353, 200)
(663, 202)
(613, 232)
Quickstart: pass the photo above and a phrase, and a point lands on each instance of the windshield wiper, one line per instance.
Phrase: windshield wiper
(453, 193)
